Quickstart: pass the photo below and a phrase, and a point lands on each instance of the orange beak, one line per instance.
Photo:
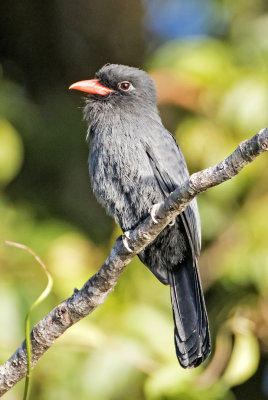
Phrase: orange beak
(91, 86)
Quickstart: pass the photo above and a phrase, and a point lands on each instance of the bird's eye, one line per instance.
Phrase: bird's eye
(125, 86)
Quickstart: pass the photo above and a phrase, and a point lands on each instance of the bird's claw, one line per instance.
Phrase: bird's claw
(153, 211)
(125, 238)
(172, 222)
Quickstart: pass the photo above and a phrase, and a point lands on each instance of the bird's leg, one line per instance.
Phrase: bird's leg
(125, 238)
(153, 211)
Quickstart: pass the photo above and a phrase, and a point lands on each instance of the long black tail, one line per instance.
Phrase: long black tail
(192, 339)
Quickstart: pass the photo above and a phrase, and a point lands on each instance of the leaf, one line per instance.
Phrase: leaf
(11, 152)
(39, 300)
(244, 360)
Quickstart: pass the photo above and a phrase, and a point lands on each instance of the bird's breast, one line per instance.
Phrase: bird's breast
(121, 175)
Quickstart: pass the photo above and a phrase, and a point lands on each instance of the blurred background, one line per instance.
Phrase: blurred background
(209, 59)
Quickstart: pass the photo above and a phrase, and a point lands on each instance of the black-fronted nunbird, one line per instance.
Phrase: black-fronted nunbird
(134, 163)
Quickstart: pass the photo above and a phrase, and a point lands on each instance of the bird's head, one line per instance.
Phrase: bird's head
(120, 86)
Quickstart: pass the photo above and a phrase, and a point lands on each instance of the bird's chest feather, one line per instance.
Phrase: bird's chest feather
(121, 175)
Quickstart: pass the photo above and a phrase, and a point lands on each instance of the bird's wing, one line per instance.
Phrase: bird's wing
(170, 171)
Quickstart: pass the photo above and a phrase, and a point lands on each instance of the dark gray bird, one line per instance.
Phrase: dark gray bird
(134, 162)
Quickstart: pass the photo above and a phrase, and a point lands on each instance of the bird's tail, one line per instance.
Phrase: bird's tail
(192, 339)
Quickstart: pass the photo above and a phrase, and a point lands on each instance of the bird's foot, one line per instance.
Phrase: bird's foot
(125, 238)
(172, 222)
(153, 212)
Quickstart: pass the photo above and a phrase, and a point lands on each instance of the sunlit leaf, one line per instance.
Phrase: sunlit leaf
(11, 152)
(245, 104)
(245, 359)
(152, 326)
(168, 381)
(203, 59)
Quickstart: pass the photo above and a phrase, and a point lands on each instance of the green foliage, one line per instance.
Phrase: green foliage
(11, 152)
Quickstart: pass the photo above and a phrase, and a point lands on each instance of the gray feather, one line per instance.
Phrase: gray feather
(135, 162)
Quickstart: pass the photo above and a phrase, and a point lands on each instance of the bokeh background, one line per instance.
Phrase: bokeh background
(209, 59)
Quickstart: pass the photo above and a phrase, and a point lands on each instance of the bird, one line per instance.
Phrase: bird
(135, 163)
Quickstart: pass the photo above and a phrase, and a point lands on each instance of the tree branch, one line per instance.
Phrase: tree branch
(97, 288)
